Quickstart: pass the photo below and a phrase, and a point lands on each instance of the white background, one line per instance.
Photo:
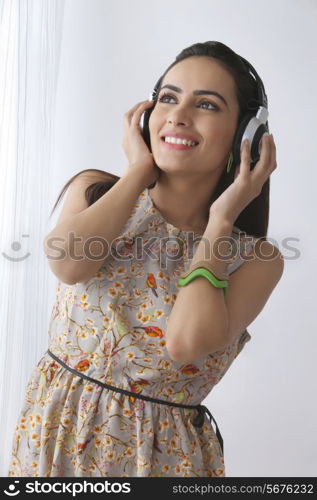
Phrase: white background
(112, 53)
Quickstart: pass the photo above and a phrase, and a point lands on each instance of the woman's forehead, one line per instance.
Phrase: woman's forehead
(193, 74)
(198, 71)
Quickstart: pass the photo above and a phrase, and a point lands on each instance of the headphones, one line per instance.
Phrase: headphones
(252, 126)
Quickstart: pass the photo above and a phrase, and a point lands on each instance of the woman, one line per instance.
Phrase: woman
(133, 352)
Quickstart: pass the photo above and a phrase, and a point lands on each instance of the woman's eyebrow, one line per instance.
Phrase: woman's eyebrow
(197, 92)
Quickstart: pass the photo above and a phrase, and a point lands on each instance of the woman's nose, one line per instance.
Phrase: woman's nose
(178, 118)
(176, 122)
(179, 115)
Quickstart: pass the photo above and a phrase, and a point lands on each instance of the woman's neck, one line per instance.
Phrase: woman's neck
(182, 206)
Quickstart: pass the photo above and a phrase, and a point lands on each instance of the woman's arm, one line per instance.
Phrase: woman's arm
(102, 221)
(80, 236)
(202, 319)
(198, 321)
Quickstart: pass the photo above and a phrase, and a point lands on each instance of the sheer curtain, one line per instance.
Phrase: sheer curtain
(30, 39)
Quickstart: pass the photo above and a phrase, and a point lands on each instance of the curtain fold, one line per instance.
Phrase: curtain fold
(30, 42)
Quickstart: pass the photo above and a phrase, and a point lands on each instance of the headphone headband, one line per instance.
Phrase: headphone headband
(260, 87)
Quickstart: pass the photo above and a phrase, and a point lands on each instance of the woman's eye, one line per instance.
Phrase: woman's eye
(210, 104)
(161, 99)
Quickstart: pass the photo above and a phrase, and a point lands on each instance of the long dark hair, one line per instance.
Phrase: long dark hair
(253, 220)
(94, 191)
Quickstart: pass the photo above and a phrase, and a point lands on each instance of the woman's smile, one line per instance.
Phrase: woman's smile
(177, 146)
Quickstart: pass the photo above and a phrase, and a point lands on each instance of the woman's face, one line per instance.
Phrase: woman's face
(207, 118)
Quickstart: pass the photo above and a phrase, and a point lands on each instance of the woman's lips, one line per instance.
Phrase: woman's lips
(178, 146)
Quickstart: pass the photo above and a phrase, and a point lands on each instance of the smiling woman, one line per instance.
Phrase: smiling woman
(132, 353)
(235, 95)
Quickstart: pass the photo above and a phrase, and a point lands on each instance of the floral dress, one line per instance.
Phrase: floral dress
(112, 328)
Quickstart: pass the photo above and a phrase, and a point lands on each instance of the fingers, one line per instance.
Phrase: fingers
(265, 150)
(268, 158)
(137, 110)
(132, 110)
(245, 158)
(273, 155)
(267, 162)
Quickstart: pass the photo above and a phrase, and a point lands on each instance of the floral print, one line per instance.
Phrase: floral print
(112, 328)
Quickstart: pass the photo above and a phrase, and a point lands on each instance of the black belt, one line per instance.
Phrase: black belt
(197, 422)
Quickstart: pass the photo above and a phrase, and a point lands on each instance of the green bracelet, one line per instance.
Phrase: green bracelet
(201, 271)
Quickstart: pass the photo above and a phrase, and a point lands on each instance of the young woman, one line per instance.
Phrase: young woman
(133, 351)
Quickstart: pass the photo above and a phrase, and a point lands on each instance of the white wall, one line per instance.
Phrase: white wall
(112, 54)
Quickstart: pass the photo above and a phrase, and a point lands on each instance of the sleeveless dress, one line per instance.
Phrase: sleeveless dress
(112, 329)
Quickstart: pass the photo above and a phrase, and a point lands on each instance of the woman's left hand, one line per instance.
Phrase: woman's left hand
(247, 184)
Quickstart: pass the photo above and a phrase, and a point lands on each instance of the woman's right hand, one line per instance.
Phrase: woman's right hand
(139, 156)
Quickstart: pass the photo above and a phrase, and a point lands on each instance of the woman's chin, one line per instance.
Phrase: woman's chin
(171, 166)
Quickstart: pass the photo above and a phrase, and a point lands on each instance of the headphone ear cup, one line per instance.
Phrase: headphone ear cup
(145, 128)
(260, 130)
(145, 131)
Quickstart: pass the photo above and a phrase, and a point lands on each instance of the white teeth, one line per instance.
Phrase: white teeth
(174, 140)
